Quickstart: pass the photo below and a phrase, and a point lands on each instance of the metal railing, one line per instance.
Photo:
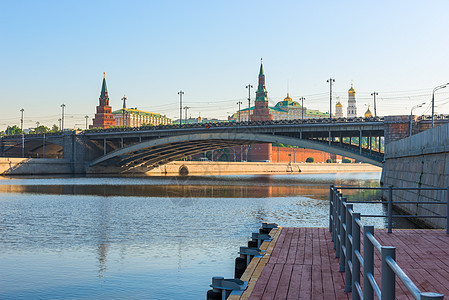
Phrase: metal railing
(346, 229)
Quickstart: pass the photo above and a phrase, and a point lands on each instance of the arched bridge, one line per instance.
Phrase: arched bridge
(125, 149)
(152, 147)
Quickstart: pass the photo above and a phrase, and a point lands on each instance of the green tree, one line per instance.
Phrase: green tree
(13, 130)
(54, 128)
(346, 160)
(310, 160)
(329, 161)
(42, 129)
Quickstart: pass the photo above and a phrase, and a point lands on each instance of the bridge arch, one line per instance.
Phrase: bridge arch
(163, 150)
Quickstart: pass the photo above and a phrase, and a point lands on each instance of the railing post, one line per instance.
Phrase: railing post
(387, 275)
(354, 260)
(390, 209)
(331, 203)
(337, 224)
(342, 234)
(447, 211)
(368, 263)
(348, 244)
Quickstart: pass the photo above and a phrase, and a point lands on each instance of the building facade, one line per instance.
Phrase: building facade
(132, 117)
(286, 109)
(103, 117)
(352, 108)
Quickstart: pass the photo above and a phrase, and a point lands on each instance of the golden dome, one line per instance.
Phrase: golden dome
(288, 98)
(368, 113)
(339, 104)
(351, 90)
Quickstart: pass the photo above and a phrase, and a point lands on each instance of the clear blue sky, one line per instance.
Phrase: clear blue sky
(54, 52)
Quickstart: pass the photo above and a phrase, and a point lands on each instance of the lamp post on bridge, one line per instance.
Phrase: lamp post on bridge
(433, 99)
(330, 81)
(374, 94)
(62, 118)
(21, 129)
(180, 93)
(302, 108)
(411, 115)
(186, 108)
(123, 110)
(249, 87)
(239, 103)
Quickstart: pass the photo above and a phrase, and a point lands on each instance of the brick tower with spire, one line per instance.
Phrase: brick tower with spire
(103, 117)
(261, 111)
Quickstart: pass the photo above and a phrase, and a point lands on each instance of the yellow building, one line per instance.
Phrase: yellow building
(132, 117)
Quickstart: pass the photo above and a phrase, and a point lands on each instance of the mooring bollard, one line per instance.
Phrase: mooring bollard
(222, 288)
(260, 237)
(267, 227)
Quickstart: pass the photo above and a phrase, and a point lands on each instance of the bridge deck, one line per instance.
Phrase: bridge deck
(302, 264)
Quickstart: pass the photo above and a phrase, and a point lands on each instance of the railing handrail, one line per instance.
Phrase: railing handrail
(346, 226)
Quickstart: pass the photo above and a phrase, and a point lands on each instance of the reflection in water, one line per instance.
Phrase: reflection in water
(198, 187)
(103, 238)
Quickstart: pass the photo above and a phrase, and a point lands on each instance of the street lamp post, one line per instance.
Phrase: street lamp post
(302, 108)
(374, 94)
(249, 87)
(411, 115)
(239, 103)
(433, 99)
(21, 129)
(330, 81)
(186, 108)
(123, 110)
(180, 93)
(62, 118)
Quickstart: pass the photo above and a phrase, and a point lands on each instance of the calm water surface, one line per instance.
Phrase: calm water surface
(146, 238)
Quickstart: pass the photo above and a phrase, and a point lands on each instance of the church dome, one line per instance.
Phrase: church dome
(368, 113)
(351, 90)
(339, 104)
(287, 102)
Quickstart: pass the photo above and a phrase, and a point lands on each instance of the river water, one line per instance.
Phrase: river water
(149, 237)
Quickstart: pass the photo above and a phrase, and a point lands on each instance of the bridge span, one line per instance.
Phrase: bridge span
(122, 150)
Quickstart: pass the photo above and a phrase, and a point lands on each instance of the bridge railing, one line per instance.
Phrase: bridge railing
(347, 229)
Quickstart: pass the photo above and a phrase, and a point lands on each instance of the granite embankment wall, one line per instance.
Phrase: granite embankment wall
(43, 166)
(223, 168)
(420, 161)
(34, 166)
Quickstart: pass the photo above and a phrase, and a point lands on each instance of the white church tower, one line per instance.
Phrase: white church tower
(352, 108)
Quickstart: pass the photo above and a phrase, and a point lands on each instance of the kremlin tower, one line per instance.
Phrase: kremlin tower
(103, 117)
(352, 109)
(261, 111)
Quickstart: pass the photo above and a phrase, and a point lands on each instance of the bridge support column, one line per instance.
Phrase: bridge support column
(360, 142)
(104, 146)
(43, 146)
(330, 138)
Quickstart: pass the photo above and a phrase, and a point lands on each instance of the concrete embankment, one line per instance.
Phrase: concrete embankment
(226, 168)
(420, 161)
(34, 166)
(43, 166)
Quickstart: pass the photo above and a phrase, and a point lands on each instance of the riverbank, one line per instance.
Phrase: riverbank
(228, 168)
(44, 166)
